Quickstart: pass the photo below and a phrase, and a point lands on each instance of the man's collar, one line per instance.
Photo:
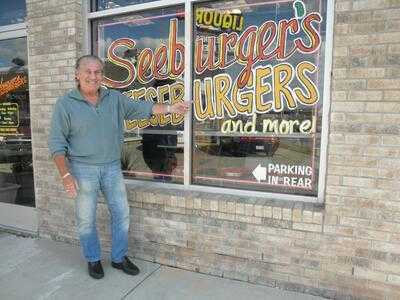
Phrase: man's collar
(103, 92)
(76, 93)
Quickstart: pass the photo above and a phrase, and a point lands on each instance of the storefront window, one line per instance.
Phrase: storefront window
(16, 173)
(12, 12)
(258, 94)
(258, 80)
(143, 56)
(108, 4)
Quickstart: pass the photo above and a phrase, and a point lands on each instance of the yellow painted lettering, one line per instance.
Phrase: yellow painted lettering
(176, 94)
(312, 91)
(208, 111)
(262, 89)
(283, 75)
(222, 84)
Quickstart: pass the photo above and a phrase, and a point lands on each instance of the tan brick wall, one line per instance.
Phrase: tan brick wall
(362, 198)
(348, 248)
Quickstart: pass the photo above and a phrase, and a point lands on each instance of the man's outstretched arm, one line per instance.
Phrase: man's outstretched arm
(178, 108)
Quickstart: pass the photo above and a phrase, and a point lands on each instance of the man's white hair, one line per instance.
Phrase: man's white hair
(88, 57)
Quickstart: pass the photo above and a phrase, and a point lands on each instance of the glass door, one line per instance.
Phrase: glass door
(17, 195)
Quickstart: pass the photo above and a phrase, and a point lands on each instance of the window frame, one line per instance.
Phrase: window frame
(13, 31)
(187, 136)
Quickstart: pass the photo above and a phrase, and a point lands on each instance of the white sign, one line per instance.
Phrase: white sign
(297, 176)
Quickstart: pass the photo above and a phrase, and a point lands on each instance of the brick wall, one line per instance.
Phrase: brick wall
(363, 195)
(348, 248)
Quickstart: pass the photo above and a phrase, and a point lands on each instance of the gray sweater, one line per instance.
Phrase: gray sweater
(89, 133)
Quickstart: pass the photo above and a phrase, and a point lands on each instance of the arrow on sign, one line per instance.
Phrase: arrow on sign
(260, 173)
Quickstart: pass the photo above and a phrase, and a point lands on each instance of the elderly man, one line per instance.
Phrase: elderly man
(87, 131)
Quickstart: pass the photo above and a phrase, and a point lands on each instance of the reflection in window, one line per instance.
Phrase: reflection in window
(143, 56)
(12, 12)
(109, 4)
(16, 173)
(258, 90)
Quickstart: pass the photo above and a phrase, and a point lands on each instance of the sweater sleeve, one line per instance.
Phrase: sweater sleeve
(134, 110)
(59, 130)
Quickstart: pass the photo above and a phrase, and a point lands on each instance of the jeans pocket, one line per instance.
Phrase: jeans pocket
(87, 176)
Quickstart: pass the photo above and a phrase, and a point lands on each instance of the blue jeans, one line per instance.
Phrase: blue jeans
(108, 179)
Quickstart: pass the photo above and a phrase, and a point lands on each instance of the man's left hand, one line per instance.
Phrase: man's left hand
(180, 107)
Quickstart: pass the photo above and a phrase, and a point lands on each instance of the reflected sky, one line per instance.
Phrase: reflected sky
(108, 4)
(12, 12)
(10, 50)
(149, 30)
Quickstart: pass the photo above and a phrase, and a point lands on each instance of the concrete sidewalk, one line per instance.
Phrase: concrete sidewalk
(44, 269)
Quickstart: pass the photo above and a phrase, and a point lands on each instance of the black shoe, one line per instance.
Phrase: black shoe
(127, 266)
(95, 269)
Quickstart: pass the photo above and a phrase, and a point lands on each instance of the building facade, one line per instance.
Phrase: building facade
(283, 174)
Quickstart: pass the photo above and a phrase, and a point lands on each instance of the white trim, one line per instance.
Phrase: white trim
(33, 215)
(87, 28)
(151, 185)
(20, 218)
(328, 52)
(252, 193)
(187, 137)
(7, 35)
(134, 8)
(13, 27)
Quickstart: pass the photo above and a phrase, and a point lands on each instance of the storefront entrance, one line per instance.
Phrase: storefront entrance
(17, 195)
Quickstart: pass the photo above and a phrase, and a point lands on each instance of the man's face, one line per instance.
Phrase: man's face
(89, 75)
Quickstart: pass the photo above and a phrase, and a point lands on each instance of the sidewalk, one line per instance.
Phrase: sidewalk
(44, 269)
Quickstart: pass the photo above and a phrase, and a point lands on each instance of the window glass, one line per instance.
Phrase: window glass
(12, 12)
(143, 56)
(16, 173)
(258, 94)
(108, 4)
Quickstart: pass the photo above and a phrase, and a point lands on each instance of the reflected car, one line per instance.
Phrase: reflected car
(246, 145)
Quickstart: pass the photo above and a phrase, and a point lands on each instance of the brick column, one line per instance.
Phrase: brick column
(363, 188)
(55, 40)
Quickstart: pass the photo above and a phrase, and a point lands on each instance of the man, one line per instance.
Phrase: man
(86, 135)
